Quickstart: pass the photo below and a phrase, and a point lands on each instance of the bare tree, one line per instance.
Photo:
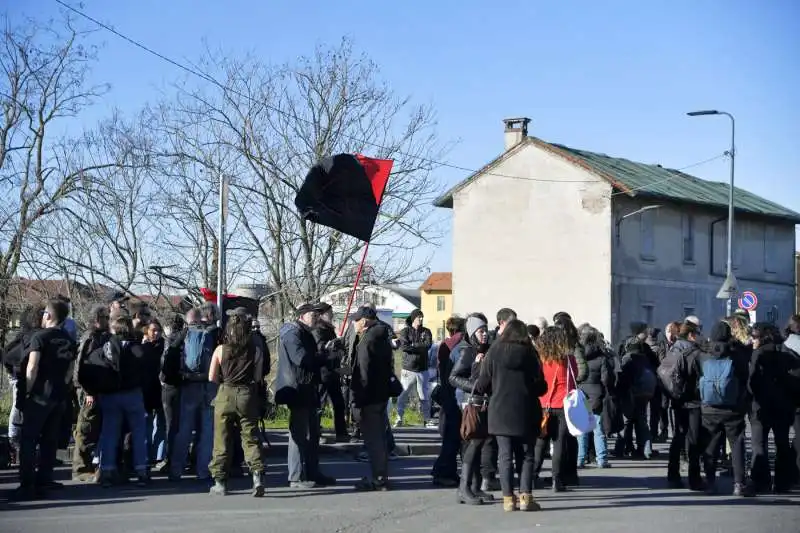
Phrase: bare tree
(43, 83)
(269, 125)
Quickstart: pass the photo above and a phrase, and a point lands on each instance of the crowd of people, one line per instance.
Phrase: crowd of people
(191, 396)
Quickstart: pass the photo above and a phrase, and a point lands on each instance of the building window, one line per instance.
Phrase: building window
(440, 303)
(771, 247)
(648, 314)
(689, 310)
(648, 235)
(688, 238)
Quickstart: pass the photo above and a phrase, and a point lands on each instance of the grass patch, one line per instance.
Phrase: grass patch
(278, 418)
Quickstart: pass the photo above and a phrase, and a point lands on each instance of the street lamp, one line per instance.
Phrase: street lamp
(632, 213)
(729, 289)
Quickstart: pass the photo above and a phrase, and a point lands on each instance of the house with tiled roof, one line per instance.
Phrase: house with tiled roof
(610, 240)
(436, 297)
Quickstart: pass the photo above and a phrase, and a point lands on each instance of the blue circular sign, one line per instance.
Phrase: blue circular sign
(748, 301)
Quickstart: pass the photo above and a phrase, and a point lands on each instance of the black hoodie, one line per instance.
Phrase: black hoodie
(601, 377)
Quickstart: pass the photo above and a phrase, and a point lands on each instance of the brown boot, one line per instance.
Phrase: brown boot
(527, 503)
(509, 503)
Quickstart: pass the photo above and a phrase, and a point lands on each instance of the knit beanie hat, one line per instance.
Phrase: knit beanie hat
(721, 332)
(474, 324)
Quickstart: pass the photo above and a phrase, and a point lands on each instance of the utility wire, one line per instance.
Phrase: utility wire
(212, 80)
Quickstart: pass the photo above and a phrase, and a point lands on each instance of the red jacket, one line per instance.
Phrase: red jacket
(555, 375)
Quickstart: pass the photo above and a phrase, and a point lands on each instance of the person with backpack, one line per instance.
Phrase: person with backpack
(772, 408)
(47, 368)
(679, 379)
(197, 394)
(87, 428)
(723, 373)
(237, 367)
(121, 400)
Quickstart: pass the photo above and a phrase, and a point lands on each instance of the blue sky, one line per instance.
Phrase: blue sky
(613, 76)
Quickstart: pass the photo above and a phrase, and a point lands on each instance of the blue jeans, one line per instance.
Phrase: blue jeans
(196, 407)
(303, 452)
(14, 415)
(600, 444)
(116, 407)
(156, 435)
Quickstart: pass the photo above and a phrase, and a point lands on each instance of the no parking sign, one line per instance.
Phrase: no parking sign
(748, 301)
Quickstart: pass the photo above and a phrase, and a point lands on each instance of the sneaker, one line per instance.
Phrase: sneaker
(219, 488)
(398, 423)
(603, 465)
(161, 467)
(368, 485)
(743, 490)
(432, 424)
(302, 485)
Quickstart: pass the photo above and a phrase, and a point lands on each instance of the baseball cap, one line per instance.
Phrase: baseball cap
(305, 308)
(322, 307)
(691, 319)
(365, 312)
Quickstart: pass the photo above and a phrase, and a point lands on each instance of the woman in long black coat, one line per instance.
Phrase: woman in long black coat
(513, 376)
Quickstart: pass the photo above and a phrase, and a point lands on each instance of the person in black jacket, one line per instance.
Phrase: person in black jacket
(372, 371)
(772, 408)
(463, 377)
(153, 351)
(723, 375)
(600, 380)
(330, 378)
(415, 341)
(688, 419)
(123, 401)
(512, 375)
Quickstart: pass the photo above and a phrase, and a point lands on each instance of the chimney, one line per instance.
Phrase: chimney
(516, 131)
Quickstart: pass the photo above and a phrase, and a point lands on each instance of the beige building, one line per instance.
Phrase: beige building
(609, 240)
(436, 302)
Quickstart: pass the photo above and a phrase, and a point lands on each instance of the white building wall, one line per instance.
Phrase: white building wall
(535, 247)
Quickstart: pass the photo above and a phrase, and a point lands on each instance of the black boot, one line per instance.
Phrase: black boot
(480, 487)
(465, 493)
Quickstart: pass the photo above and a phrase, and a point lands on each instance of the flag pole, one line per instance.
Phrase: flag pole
(355, 288)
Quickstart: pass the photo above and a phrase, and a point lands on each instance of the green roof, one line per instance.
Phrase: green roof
(640, 179)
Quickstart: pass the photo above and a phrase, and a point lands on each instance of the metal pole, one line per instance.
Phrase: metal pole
(223, 208)
(729, 309)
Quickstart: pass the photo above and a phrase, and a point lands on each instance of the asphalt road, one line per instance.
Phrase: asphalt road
(631, 496)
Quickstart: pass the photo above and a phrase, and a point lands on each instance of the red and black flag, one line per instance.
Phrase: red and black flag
(344, 192)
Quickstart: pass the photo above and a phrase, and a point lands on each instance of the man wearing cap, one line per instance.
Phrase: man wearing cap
(298, 355)
(331, 382)
(372, 371)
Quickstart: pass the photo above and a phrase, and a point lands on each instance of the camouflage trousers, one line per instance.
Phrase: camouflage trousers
(235, 405)
(87, 435)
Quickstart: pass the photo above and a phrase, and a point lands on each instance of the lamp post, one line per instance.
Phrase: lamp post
(633, 213)
(729, 288)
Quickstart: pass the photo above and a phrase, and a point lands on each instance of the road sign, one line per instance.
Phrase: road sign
(748, 301)
(729, 288)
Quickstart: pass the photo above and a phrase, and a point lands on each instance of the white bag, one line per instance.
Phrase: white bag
(580, 419)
